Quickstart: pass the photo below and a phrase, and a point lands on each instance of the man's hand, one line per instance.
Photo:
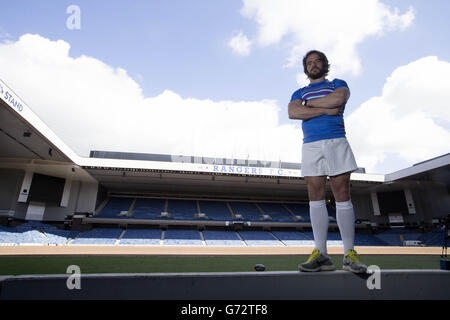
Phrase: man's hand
(334, 111)
(297, 111)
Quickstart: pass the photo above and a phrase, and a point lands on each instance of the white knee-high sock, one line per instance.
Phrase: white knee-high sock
(319, 220)
(345, 217)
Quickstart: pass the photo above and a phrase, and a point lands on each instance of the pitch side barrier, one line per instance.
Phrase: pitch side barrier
(86, 223)
(231, 286)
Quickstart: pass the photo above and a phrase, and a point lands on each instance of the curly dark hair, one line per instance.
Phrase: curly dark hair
(322, 56)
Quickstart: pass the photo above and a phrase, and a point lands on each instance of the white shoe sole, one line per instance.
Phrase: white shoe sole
(348, 268)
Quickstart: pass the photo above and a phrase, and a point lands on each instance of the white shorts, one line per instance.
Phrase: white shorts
(329, 157)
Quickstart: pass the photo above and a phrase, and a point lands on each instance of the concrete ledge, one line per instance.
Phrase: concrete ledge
(204, 250)
(290, 285)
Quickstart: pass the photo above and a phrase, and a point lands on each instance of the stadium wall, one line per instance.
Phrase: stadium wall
(81, 197)
(10, 183)
(431, 201)
(362, 205)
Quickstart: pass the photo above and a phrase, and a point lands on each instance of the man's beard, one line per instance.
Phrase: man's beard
(318, 75)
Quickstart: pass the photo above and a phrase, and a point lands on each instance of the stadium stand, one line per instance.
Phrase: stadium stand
(182, 209)
(334, 239)
(395, 237)
(276, 212)
(99, 236)
(434, 238)
(392, 236)
(259, 238)
(148, 208)
(60, 237)
(35, 233)
(299, 210)
(36, 225)
(182, 237)
(331, 212)
(368, 240)
(249, 211)
(293, 238)
(221, 238)
(116, 208)
(16, 236)
(141, 237)
(215, 210)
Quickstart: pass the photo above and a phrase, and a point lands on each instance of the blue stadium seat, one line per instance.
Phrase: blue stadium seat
(368, 240)
(221, 238)
(334, 239)
(293, 238)
(59, 237)
(277, 212)
(141, 237)
(259, 238)
(434, 238)
(182, 237)
(182, 209)
(17, 236)
(301, 210)
(100, 236)
(248, 210)
(215, 210)
(36, 225)
(145, 208)
(391, 237)
(35, 232)
(114, 207)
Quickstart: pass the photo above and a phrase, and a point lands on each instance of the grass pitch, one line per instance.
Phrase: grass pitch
(21, 265)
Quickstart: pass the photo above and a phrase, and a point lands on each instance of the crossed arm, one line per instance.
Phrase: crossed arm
(330, 104)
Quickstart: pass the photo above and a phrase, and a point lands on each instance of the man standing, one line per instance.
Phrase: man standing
(326, 152)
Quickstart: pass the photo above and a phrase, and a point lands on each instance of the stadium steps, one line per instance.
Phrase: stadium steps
(130, 211)
(114, 207)
(433, 238)
(242, 239)
(263, 213)
(163, 237)
(215, 210)
(231, 210)
(203, 238)
(198, 208)
(293, 238)
(101, 206)
(123, 233)
(284, 244)
(248, 210)
(300, 210)
(259, 238)
(294, 216)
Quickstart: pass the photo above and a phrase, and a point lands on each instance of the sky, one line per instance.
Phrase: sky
(213, 78)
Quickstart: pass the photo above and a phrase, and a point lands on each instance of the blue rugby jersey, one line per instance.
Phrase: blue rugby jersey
(324, 126)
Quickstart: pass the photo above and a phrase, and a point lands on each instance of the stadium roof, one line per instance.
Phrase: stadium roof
(27, 142)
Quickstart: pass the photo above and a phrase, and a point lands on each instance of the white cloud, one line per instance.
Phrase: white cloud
(93, 106)
(240, 44)
(409, 120)
(335, 27)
